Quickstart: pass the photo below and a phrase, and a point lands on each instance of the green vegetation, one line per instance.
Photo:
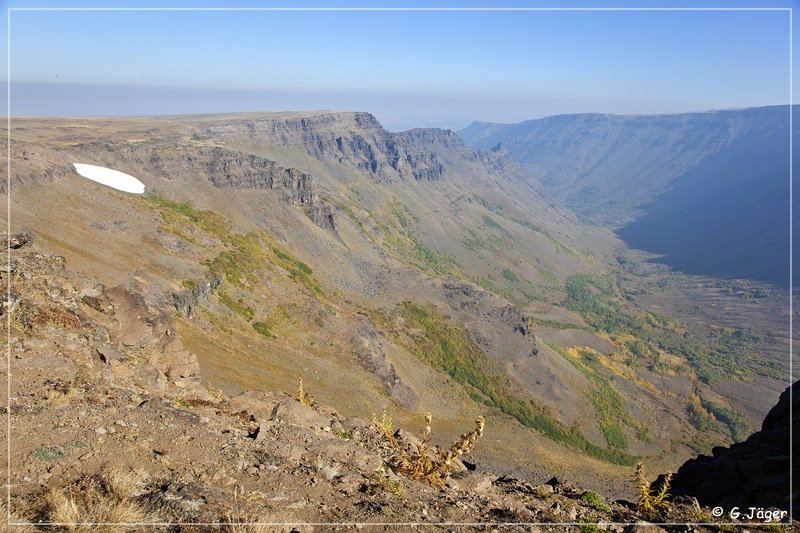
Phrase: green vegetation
(743, 290)
(49, 453)
(189, 284)
(277, 317)
(264, 329)
(55, 453)
(588, 527)
(490, 223)
(723, 352)
(298, 270)
(407, 247)
(173, 211)
(237, 306)
(596, 299)
(451, 350)
(609, 404)
(344, 434)
(487, 284)
(596, 501)
(485, 241)
(245, 256)
(510, 276)
(348, 210)
(441, 264)
(500, 210)
(699, 417)
(182, 402)
(731, 418)
(538, 322)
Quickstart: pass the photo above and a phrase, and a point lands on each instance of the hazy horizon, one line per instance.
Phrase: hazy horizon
(410, 68)
(76, 101)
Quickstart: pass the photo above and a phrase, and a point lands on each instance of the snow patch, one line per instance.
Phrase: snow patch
(112, 178)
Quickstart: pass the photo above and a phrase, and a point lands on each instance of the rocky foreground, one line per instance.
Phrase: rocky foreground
(110, 423)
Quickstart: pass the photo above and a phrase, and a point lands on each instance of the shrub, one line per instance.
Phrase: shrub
(264, 329)
(510, 276)
(596, 501)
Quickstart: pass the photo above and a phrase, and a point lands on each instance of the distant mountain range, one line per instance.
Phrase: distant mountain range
(708, 191)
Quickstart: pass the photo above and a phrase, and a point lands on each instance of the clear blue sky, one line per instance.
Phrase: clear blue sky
(410, 68)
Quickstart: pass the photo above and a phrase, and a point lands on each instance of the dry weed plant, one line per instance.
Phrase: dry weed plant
(650, 500)
(302, 396)
(384, 423)
(12, 516)
(214, 393)
(421, 463)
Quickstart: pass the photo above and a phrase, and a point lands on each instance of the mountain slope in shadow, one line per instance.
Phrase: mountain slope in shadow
(728, 217)
(707, 191)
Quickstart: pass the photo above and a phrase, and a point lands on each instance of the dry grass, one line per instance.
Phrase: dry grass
(384, 423)
(117, 501)
(61, 394)
(11, 516)
(217, 394)
(109, 497)
(239, 521)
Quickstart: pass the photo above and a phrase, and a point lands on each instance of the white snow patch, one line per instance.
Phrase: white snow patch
(113, 178)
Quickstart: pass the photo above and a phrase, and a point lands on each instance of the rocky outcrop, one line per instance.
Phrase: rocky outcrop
(186, 300)
(226, 168)
(369, 350)
(223, 167)
(323, 216)
(115, 331)
(15, 240)
(466, 296)
(753, 473)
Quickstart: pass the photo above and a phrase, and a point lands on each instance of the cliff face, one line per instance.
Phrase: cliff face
(222, 167)
(357, 140)
(176, 161)
(753, 473)
(246, 171)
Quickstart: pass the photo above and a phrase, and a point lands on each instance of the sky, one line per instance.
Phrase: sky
(410, 68)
